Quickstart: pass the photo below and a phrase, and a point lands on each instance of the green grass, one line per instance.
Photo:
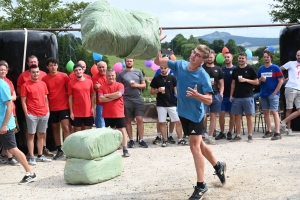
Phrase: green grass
(138, 64)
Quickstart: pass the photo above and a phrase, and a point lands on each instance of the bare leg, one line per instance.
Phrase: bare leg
(163, 130)
(238, 123)
(56, 133)
(30, 144)
(207, 153)
(291, 116)
(171, 127)
(87, 127)
(276, 120)
(65, 125)
(124, 141)
(268, 120)
(129, 127)
(39, 142)
(222, 121)
(21, 158)
(178, 129)
(77, 129)
(231, 122)
(287, 113)
(213, 121)
(249, 123)
(140, 126)
(195, 142)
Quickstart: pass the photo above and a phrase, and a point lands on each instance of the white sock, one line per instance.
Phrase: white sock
(170, 134)
(239, 135)
(158, 135)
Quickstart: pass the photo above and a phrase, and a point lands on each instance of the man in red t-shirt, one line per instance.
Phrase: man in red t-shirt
(57, 85)
(99, 79)
(72, 76)
(36, 109)
(111, 95)
(81, 100)
(25, 76)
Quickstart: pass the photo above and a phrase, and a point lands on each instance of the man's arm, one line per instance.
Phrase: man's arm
(232, 89)
(71, 106)
(13, 96)
(280, 82)
(18, 90)
(92, 103)
(160, 61)
(282, 68)
(204, 98)
(47, 102)
(7, 116)
(24, 106)
(221, 86)
(142, 85)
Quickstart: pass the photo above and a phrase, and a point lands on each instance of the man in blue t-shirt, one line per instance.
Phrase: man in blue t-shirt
(226, 104)
(270, 78)
(7, 123)
(194, 89)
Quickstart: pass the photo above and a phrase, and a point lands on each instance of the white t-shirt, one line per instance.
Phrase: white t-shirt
(293, 68)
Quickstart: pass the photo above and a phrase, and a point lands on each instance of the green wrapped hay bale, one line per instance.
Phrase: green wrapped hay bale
(92, 143)
(80, 171)
(119, 32)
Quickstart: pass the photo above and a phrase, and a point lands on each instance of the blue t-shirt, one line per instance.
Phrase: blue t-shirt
(227, 72)
(159, 71)
(5, 96)
(190, 108)
(272, 74)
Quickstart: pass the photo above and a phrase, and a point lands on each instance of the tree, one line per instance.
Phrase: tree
(285, 11)
(241, 49)
(233, 48)
(40, 14)
(186, 50)
(259, 52)
(193, 40)
(178, 41)
(205, 42)
(217, 45)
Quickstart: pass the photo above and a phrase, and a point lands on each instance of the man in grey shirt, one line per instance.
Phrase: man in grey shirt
(133, 81)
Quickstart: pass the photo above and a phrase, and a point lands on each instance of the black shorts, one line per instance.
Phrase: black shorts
(86, 121)
(57, 116)
(115, 122)
(8, 140)
(191, 128)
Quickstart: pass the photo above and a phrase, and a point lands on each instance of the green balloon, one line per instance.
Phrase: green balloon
(69, 66)
(220, 58)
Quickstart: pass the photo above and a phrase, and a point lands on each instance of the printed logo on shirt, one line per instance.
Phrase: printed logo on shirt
(216, 70)
(267, 74)
(193, 131)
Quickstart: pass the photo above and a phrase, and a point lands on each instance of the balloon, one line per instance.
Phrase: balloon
(148, 63)
(97, 56)
(94, 69)
(225, 50)
(220, 58)
(173, 57)
(118, 67)
(123, 63)
(249, 54)
(155, 67)
(70, 66)
(271, 48)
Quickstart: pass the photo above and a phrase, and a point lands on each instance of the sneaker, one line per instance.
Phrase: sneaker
(221, 172)
(32, 161)
(198, 193)
(267, 135)
(14, 162)
(27, 178)
(283, 126)
(276, 136)
(131, 144)
(290, 132)
(183, 142)
(58, 155)
(143, 144)
(171, 140)
(220, 136)
(157, 140)
(210, 140)
(229, 136)
(164, 143)
(250, 138)
(43, 159)
(125, 153)
(46, 152)
(3, 159)
(236, 138)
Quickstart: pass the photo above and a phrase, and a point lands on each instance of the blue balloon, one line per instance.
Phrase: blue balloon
(271, 48)
(97, 56)
(249, 54)
(123, 63)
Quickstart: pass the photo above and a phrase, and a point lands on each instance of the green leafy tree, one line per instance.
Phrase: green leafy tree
(193, 40)
(231, 45)
(259, 52)
(241, 49)
(40, 14)
(178, 41)
(186, 50)
(285, 11)
(217, 46)
(205, 42)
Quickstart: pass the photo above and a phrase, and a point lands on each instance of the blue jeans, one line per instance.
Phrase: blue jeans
(99, 121)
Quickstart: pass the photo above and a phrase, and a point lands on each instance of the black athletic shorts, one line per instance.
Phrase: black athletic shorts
(191, 128)
(57, 116)
(115, 122)
(8, 140)
(86, 121)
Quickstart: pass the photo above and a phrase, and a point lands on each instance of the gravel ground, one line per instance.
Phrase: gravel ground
(263, 169)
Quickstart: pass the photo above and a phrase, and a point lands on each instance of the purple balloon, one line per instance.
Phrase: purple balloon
(148, 63)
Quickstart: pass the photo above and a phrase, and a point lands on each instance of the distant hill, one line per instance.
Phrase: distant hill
(247, 42)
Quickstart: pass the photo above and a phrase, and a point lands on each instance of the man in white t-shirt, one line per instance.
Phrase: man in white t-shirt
(292, 93)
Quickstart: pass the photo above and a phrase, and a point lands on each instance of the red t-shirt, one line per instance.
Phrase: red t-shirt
(12, 90)
(35, 93)
(72, 76)
(115, 108)
(81, 92)
(58, 91)
(25, 76)
(99, 78)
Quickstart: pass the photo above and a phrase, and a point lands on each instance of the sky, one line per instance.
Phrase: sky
(174, 13)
